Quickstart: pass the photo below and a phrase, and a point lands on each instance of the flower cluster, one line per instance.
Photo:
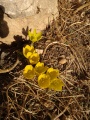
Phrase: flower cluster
(31, 54)
(47, 77)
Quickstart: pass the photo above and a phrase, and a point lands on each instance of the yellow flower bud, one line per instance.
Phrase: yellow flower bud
(44, 81)
(34, 58)
(27, 49)
(29, 72)
(56, 84)
(54, 73)
(40, 68)
(33, 36)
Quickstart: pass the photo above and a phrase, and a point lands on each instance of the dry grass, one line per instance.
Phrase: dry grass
(69, 36)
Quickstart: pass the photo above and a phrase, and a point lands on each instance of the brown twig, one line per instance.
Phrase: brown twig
(81, 7)
(11, 68)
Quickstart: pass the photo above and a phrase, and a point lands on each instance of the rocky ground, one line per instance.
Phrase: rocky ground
(66, 46)
(20, 14)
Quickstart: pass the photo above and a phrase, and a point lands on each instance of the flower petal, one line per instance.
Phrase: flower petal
(33, 36)
(29, 72)
(44, 81)
(34, 59)
(53, 73)
(29, 54)
(40, 68)
(39, 36)
(56, 85)
(27, 49)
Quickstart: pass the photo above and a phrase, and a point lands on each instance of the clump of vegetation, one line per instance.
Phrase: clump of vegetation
(47, 77)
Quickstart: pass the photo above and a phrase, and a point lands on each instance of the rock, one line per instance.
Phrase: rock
(35, 15)
(16, 8)
(63, 61)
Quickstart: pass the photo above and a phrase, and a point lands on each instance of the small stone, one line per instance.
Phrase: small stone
(62, 61)
(39, 51)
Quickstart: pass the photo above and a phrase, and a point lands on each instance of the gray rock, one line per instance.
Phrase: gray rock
(16, 8)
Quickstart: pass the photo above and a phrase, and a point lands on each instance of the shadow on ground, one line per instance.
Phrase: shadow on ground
(4, 29)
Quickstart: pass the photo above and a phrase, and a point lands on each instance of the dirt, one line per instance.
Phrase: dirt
(66, 46)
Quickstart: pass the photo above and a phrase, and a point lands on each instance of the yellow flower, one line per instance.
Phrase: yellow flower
(56, 84)
(29, 72)
(54, 73)
(33, 36)
(44, 81)
(34, 58)
(29, 54)
(40, 68)
(28, 49)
